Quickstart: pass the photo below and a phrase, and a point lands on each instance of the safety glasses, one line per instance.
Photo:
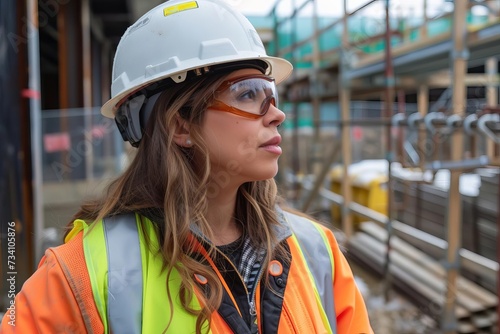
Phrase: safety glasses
(248, 96)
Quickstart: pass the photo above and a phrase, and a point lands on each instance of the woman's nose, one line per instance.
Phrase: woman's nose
(274, 116)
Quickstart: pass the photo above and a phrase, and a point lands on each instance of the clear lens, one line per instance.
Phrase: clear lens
(252, 95)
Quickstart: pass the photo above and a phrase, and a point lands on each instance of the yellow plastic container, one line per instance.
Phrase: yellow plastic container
(368, 185)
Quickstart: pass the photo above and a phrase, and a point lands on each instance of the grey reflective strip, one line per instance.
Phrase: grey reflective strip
(316, 254)
(124, 274)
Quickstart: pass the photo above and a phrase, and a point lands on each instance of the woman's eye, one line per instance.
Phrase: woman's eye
(248, 95)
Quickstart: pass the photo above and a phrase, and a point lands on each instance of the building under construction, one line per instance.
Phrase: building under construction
(402, 99)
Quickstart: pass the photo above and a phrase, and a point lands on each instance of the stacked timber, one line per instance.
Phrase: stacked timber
(487, 213)
(423, 279)
(424, 206)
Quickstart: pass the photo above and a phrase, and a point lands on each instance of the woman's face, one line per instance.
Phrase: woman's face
(242, 149)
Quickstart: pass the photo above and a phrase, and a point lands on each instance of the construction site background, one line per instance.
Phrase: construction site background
(391, 139)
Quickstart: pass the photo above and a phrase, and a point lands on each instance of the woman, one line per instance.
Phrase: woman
(191, 239)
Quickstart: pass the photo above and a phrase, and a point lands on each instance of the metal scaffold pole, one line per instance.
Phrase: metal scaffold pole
(459, 56)
(36, 124)
(491, 95)
(315, 98)
(345, 106)
(498, 251)
(87, 85)
(423, 108)
(492, 100)
(296, 163)
(388, 112)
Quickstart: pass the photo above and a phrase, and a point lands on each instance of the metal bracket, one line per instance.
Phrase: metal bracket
(413, 120)
(429, 119)
(468, 121)
(479, 162)
(450, 265)
(482, 124)
(453, 122)
(449, 326)
(397, 119)
(408, 145)
(461, 54)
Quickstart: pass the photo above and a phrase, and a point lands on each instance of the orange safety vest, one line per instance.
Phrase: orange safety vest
(314, 276)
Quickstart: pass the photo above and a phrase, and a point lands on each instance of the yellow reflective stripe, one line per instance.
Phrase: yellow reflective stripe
(330, 254)
(156, 313)
(94, 247)
(324, 317)
(328, 248)
(179, 8)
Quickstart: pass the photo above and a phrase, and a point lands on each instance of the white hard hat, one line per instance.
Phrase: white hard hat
(182, 35)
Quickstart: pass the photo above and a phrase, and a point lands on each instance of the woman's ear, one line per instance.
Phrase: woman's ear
(181, 133)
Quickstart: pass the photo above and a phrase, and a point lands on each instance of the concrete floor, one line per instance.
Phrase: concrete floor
(396, 315)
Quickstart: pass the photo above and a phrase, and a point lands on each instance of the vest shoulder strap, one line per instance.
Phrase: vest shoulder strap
(315, 247)
(125, 286)
(128, 280)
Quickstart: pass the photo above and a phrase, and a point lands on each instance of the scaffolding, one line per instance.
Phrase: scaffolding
(444, 55)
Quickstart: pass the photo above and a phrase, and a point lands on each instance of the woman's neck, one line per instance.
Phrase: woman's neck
(220, 216)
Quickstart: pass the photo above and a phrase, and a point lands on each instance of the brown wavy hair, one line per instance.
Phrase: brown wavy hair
(174, 180)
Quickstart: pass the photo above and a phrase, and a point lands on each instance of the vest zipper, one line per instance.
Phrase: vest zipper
(253, 310)
(250, 296)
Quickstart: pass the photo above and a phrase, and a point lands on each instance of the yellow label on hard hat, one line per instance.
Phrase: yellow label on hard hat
(180, 8)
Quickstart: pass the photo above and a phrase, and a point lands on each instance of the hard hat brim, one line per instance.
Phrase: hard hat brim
(280, 70)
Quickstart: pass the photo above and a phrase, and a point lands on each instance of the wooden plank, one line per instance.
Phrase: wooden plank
(467, 297)
(487, 207)
(431, 227)
(488, 237)
(427, 212)
(465, 327)
(428, 263)
(482, 321)
(371, 252)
